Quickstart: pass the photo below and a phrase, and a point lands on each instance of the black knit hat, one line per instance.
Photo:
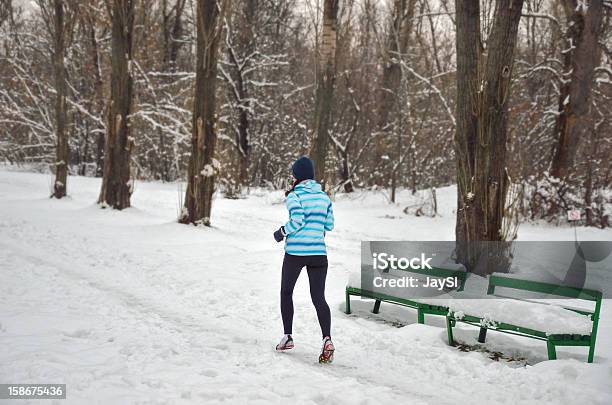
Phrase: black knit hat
(303, 169)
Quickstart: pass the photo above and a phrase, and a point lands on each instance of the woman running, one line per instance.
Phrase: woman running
(310, 216)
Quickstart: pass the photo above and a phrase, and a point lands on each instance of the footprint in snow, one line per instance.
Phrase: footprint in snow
(209, 373)
(79, 333)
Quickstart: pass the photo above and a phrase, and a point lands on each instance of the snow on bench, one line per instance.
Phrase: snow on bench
(542, 316)
(549, 318)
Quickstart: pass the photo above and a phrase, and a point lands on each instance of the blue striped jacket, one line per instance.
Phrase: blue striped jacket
(310, 216)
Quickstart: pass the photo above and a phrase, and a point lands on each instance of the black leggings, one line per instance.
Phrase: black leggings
(317, 272)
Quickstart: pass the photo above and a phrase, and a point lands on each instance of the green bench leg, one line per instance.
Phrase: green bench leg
(482, 336)
(591, 349)
(449, 331)
(420, 316)
(347, 308)
(376, 307)
(595, 318)
(552, 353)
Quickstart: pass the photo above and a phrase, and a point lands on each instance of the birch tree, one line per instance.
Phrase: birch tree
(326, 77)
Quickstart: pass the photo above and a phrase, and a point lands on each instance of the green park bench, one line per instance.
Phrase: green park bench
(421, 306)
(552, 340)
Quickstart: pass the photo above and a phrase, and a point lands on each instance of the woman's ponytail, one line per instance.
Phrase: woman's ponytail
(295, 183)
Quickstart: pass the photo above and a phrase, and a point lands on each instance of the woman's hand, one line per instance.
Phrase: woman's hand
(279, 235)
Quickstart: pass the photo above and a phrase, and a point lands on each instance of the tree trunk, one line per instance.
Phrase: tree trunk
(172, 30)
(468, 54)
(6, 9)
(116, 186)
(100, 142)
(581, 58)
(391, 81)
(177, 31)
(246, 43)
(588, 194)
(345, 173)
(202, 163)
(98, 99)
(393, 185)
(592, 163)
(399, 35)
(244, 147)
(491, 155)
(483, 91)
(325, 87)
(59, 70)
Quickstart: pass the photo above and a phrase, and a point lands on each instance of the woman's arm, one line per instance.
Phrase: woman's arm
(329, 220)
(296, 214)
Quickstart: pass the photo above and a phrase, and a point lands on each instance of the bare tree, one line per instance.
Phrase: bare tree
(172, 26)
(96, 104)
(241, 52)
(393, 56)
(326, 77)
(580, 60)
(172, 31)
(397, 46)
(59, 17)
(483, 91)
(6, 10)
(203, 166)
(116, 184)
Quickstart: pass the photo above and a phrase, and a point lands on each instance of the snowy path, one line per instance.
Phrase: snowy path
(129, 307)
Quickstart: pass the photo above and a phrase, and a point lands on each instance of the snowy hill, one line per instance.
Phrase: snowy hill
(131, 307)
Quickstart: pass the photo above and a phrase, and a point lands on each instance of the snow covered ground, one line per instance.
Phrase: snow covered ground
(131, 307)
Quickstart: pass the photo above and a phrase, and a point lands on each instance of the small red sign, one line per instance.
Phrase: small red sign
(573, 215)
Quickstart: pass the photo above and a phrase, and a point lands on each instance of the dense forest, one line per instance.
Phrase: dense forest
(509, 99)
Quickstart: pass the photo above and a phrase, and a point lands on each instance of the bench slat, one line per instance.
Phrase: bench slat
(582, 311)
(541, 287)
